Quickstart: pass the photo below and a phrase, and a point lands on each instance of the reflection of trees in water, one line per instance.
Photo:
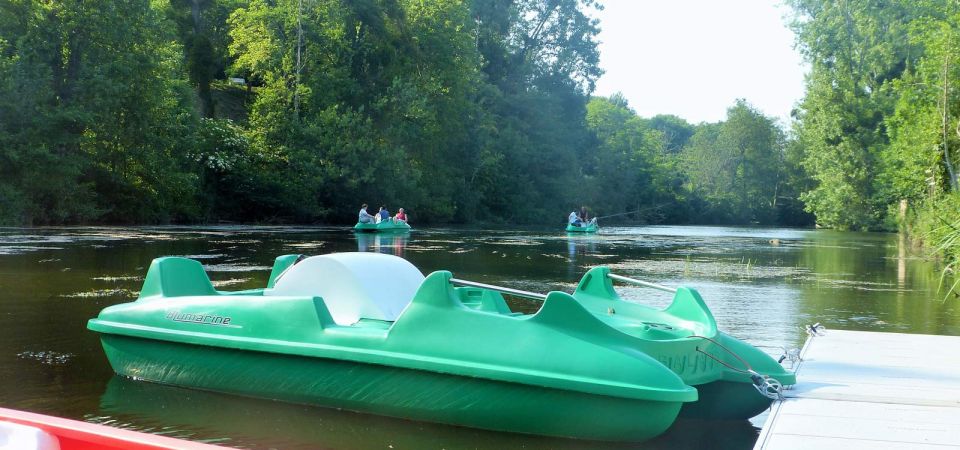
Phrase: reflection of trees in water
(871, 281)
(581, 245)
(577, 248)
(386, 243)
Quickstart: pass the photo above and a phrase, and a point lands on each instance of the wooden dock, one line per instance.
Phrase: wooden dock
(863, 390)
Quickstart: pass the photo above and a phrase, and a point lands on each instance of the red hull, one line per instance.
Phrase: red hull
(77, 435)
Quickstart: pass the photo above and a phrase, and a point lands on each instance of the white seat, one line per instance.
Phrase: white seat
(354, 286)
(14, 436)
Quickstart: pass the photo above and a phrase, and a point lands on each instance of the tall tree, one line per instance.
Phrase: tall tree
(924, 155)
(100, 108)
(628, 172)
(676, 131)
(737, 166)
(855, 48)
(201, 28)
(541, 59)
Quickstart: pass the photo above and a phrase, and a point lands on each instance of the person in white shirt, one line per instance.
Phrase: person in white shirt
(365, 217)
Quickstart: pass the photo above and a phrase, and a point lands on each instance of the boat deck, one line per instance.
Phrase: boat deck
(870, 390)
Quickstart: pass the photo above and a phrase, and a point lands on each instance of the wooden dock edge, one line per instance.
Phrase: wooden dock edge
(858, 389)
(774, 413)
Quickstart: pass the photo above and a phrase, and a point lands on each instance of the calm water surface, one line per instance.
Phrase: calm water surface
(763, 286)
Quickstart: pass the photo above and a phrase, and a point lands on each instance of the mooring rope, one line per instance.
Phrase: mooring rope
(767, 386)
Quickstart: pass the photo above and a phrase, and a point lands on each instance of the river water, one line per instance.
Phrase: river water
(763, 285)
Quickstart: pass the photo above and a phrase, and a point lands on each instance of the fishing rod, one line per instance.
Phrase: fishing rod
(629, 212)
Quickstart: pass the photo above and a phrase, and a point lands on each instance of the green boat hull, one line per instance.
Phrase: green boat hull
(391, 391)
(684, 337)
(587, 365)
(436, 359)
(388, 226)
(726, 400)
(590, 228)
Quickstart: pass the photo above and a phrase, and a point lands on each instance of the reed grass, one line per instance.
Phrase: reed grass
(936, 228)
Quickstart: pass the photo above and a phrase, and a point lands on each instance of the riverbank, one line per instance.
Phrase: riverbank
(934, 227)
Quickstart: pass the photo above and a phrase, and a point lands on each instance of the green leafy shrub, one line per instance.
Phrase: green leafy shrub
(936, 226)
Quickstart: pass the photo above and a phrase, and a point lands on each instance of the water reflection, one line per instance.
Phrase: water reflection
(387, 243)
(901, 259)
(240, 422)
(579, 247)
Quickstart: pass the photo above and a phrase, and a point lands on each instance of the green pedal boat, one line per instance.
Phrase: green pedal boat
(368, 332)
(387, 226)
(591, 227)
(734, 380)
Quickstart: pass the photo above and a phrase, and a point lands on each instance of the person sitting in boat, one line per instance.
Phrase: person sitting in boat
(365, 217)
(383, 215)
(401, 216)
(583, 218)
(574, 219)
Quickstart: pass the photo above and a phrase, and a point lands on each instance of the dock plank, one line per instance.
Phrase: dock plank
(870, 390)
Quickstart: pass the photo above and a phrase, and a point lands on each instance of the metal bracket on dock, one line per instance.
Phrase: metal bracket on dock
(640, 282)
(505, 290)
(816, 330)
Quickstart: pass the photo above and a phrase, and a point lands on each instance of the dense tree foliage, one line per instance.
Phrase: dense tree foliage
(94, 119)
(120, 111)
(879, 130)
(737, 166)
(878, 124)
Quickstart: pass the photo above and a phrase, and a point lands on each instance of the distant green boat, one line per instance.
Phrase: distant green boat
(382, 227)
(368, 332)
(591, 227)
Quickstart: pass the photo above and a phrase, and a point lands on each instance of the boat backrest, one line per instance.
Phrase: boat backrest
(172, 276)
(282, 263)
(353, 286)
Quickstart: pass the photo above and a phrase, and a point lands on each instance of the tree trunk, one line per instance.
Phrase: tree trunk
(296, 86)
(195, 12)
(201, 73)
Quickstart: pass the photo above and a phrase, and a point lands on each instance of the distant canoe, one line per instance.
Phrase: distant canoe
(590, 228)
(382, 227)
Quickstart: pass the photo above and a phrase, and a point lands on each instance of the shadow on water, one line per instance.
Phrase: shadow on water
(243, 422)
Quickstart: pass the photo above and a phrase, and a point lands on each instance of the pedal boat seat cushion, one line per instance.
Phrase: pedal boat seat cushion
(353, 286)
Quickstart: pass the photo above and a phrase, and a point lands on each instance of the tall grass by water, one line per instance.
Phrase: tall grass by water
(937, 228)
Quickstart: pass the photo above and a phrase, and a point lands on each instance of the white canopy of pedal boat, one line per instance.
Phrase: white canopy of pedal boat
(353, 286)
